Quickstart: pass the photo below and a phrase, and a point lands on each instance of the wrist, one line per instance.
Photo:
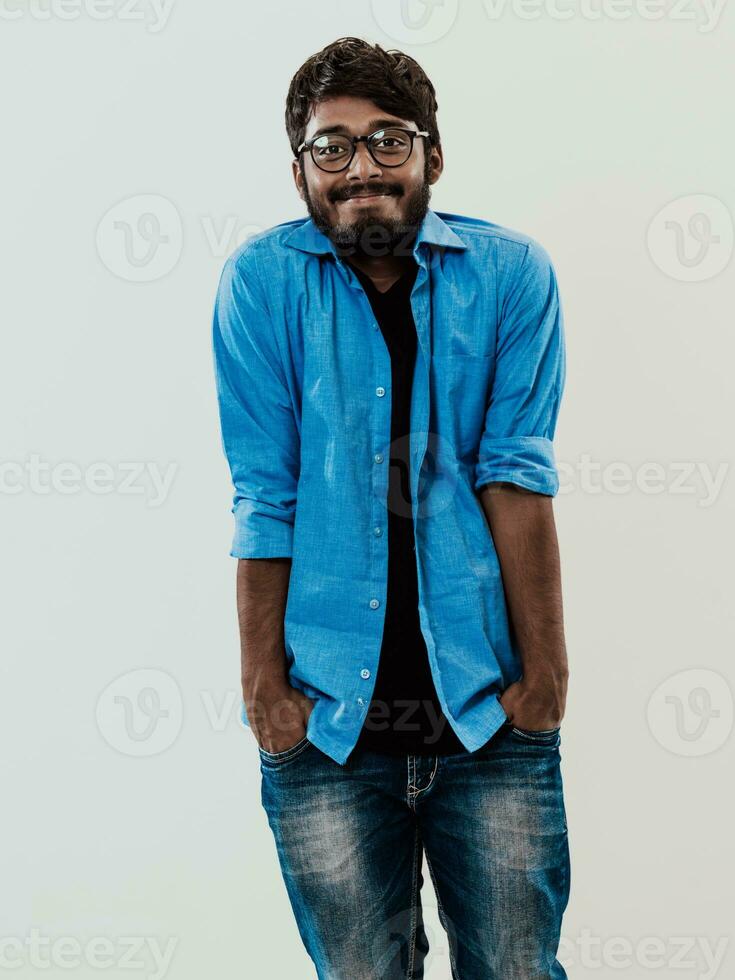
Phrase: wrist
(546, 688)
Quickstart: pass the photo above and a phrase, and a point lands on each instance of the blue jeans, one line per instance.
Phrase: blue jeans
(492, 824)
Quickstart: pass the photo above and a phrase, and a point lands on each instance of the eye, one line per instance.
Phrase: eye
(391, 146)
(329, 146)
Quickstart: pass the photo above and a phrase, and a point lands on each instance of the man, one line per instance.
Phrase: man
(389, 380)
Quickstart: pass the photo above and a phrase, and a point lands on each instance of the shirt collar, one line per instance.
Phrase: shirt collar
(433, 231)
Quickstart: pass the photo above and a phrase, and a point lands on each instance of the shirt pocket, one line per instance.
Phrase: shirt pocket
(461, 385)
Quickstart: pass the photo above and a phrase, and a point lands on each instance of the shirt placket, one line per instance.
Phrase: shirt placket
(420, 416)
(381, 385)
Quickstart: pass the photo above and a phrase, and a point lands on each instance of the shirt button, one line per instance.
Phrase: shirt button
(375, 326)
(364, 673)
(374, 603)
(361, 700)
(380, 391)
(377, 531)
(378, 457)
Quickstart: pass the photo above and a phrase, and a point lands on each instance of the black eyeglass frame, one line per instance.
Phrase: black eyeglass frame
(413, 133)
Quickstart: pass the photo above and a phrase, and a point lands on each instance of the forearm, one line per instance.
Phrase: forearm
(525, 539)
(278, 713)
(262, 591)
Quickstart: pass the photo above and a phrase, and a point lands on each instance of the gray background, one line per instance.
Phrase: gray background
(130, 792)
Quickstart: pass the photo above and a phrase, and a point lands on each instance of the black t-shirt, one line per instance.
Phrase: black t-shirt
(404, 715)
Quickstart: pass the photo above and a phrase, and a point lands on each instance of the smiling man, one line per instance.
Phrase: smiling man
(389, 379)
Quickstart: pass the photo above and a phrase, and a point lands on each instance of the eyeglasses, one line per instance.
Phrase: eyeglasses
(334, 151)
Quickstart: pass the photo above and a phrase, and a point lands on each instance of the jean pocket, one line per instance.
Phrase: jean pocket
(546, 736)
(278, 758)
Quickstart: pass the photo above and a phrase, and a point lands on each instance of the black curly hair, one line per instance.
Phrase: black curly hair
(350, 66)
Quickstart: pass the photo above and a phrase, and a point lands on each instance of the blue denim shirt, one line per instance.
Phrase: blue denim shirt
(304, 387)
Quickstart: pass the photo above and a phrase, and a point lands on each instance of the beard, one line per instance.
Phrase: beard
(367, 235)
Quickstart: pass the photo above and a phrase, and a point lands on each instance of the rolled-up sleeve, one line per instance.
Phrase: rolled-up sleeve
(260, 432)
(530, 367)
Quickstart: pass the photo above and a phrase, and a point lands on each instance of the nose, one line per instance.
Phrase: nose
(362, 166)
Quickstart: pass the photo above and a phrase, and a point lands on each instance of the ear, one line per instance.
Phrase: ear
(298, 178)
(436, 163)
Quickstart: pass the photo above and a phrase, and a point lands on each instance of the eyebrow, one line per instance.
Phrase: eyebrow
(373, 125)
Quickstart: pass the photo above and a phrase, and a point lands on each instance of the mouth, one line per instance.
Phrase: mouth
(364, 198)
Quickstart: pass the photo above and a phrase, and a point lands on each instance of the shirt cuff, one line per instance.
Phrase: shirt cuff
(525, 460)
(260, 535)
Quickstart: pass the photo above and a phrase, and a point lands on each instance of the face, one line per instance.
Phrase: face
(366, 208)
